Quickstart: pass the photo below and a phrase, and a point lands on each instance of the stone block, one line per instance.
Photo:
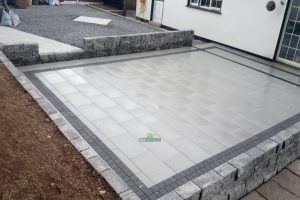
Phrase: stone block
(99, 46)
(270, 148)
(33, 60)
(1, 47)
(239, 190)
(98, 164)
(47, 107)
(171, 196)
(13, 47)
(10, 54)
(114, 180)
(47, 58)
(35, 52)
(259, 162)
(16, 61)
(244, 165)
(80, 144)
(69, 132)
(89, 153)
(62, 56)
(210, 184)
(129, 195)
(188, 190)
(35, 93)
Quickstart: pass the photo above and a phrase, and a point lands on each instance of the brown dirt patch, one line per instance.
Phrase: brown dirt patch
(36, 160)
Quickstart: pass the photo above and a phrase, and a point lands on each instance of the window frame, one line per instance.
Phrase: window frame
(207, 8)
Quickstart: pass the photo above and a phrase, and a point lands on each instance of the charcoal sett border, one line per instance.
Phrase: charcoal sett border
(282, 148)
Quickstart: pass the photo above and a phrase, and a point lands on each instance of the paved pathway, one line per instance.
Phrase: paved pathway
(13, 36)
(284, 186)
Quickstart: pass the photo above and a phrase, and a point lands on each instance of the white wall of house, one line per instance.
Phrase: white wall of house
(243, 24)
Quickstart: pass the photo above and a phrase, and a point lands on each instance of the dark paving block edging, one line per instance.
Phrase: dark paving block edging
(231, 180)
(28, 53)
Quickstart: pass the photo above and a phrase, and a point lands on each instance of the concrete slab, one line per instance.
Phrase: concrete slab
(253, 196)
(92, 20)
(274, 191)
(295, 167)
(289, 181)
(10, 36)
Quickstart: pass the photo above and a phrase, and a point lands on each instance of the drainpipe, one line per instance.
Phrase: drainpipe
(124, 7)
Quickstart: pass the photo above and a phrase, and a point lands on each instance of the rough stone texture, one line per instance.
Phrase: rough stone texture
(248, 170)
(22, 54)
(270, 148)
(189, 190)
(126, 44)
(28, 54)
(229, 174)
(259, 163)
(210, 184)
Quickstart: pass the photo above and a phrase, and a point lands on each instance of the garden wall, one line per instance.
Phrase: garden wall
(28, 53)
(135, 43)
(21, 54)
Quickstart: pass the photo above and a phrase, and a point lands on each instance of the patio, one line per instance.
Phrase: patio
(206, 104)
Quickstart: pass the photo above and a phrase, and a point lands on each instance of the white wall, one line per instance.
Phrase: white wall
(147, 14)
(244, 24)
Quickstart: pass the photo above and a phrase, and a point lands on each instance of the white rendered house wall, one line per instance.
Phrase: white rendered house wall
(243, 24)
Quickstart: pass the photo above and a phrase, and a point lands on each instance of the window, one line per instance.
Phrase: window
(207, 4)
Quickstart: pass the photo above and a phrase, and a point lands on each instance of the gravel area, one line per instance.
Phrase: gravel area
(56, 22)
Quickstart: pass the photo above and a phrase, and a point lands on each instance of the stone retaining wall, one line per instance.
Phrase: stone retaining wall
(22, 54)
(126, 44)
(28, 53)
(242, 174)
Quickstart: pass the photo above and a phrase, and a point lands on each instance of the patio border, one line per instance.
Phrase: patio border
(231, 179)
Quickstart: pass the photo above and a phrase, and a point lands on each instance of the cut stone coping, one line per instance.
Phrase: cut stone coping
(231, 180)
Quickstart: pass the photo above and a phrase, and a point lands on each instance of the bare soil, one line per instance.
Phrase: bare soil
(36, 160)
